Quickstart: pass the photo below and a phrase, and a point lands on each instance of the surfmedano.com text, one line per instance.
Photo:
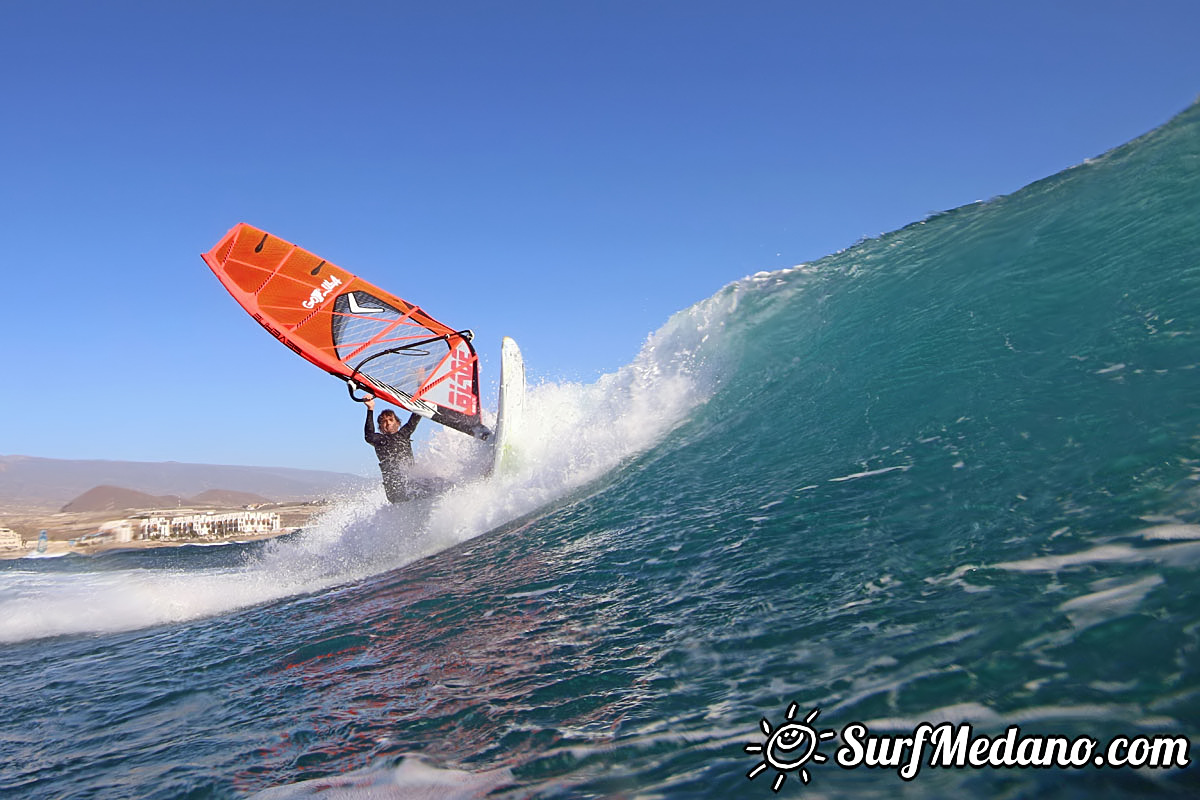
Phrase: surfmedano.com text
(955, 746)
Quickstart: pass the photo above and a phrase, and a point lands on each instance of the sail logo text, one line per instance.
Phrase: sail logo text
(319, 294)
(462, 385)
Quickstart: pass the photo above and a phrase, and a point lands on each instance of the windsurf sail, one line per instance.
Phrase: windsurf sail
(375, 341)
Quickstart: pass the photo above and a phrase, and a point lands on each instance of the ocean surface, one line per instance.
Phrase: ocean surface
(950, 474)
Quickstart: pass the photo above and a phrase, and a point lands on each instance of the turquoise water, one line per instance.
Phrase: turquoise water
(949, 474)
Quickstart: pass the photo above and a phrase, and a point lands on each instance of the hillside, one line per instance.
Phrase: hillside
(116, 498)
(30, 482)
(227, 498)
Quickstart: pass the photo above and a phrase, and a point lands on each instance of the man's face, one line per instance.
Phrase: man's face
(389, 424)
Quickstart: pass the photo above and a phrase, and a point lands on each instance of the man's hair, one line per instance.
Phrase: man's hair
(386, 413)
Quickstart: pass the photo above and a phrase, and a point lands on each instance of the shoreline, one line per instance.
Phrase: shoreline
(73, 532)
(58, 549)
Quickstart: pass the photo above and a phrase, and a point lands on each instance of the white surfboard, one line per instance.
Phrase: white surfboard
(510, 416)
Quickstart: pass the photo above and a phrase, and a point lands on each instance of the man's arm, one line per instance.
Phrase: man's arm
(369, 429)
(411, 425)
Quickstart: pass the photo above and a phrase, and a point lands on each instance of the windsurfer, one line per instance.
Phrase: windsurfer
(393, 448)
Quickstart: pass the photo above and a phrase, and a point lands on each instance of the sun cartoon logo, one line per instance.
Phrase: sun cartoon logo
(789, 747)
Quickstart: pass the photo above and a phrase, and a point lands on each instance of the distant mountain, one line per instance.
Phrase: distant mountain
(50, 483)
(227, 498)
(116, 498)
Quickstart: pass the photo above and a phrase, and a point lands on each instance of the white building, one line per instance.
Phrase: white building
(10, 539)
(118, 531)
(210, 525)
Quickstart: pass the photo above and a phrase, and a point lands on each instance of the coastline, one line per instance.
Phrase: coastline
(69, 532)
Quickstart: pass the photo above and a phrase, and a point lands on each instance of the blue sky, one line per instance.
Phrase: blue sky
(567, 173)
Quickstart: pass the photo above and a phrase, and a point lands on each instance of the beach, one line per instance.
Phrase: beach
(76, 531)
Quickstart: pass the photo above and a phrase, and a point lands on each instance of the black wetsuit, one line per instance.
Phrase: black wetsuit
(394, 451)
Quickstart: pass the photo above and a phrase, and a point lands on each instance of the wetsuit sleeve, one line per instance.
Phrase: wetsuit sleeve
(369, 429)
(411, 425)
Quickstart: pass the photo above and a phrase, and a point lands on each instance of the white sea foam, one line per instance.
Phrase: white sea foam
(871, 473)
(1089, 609)
(575, 434)
(1184, 553)
(1170, 532)
(411, 778)
(983, 717)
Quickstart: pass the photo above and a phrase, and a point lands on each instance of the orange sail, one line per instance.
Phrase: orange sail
(377, 342)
